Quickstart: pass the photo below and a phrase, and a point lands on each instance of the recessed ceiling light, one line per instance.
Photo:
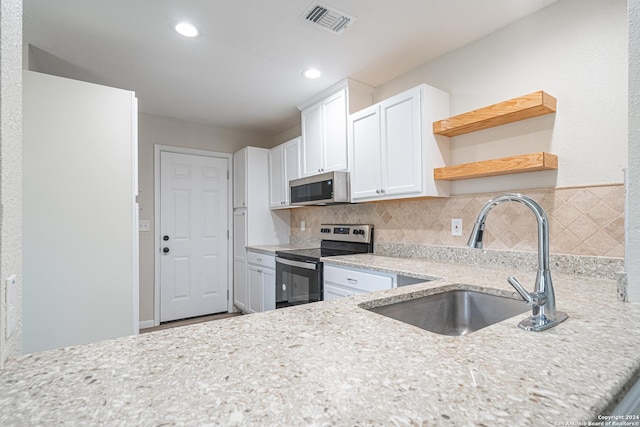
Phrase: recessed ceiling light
(186, 29)
(311, 73)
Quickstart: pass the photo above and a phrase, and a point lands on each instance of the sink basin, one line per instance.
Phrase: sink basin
(457, 312)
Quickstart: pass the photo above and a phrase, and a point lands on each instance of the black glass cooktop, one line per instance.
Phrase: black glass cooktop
(314, 255)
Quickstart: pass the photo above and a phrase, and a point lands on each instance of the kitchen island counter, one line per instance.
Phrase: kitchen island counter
(334, 363)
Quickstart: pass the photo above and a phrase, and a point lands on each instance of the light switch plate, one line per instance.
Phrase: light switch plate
(144, 225)
(456, 226)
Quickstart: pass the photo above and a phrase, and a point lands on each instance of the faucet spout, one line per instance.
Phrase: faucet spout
(542, 299)
(475, 239)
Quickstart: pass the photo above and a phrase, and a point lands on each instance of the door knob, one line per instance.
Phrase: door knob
(165, 250)
(165, 238)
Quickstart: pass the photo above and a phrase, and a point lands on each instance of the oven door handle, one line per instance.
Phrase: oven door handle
(305, 265)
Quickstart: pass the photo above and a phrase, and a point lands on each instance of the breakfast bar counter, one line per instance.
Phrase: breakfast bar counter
(335, 363)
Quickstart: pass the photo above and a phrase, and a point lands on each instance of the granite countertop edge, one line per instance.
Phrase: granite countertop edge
(335, 363)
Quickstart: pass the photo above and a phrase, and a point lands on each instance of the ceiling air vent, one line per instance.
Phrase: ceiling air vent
(330, 19)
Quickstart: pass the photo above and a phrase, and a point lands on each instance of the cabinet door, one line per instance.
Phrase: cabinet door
(291, 165)
(276, 177)
(312, 140)
(240, 179)
(240, 259)
(254, 280)
(240, 235)
(366, 168)
(335, 153)
(268, 289)
(401, 128)
(240, 285)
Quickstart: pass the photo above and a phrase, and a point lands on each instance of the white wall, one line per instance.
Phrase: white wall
(10, 167)
(79, 234)
(166, 131)
(288, 135)
(632, 250)
(575, 50)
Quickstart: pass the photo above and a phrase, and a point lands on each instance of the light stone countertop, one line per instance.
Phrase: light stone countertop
(333, 363)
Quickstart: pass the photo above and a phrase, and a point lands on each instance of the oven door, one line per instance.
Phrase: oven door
(297, 282)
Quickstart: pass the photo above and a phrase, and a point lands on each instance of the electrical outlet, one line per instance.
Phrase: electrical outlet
(302, 225)
(456, 226)
(11, 291)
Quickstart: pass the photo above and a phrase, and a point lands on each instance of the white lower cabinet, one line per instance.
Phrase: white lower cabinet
(340, 282)
(240, 285)
(240, 259)
(261, 282)
(334, 292)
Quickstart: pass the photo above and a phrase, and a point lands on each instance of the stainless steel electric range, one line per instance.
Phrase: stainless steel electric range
(299, 277)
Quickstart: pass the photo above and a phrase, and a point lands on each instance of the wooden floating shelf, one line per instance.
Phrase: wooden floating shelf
(504, 166)
(525, 107)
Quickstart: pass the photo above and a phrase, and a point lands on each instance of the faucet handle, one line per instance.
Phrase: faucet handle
(521, 290)
(533, 298)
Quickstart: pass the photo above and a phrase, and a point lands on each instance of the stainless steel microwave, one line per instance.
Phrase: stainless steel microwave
(323, 189)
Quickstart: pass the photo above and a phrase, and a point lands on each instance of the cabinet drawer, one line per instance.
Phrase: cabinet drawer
(257, 258)
(335, 292)
(358, 280)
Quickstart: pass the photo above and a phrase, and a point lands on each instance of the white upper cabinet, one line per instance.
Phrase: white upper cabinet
(402, 142)
(366, 170)
(334, 147)
(394, 151)
(312, 142)
(240, 179)
(276, 177)
(284, 165)
(324, 143)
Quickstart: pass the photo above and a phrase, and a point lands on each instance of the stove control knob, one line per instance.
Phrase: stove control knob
(356, 232)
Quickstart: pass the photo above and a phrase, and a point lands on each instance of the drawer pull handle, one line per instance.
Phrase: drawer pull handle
(352, 280)
(259, 259)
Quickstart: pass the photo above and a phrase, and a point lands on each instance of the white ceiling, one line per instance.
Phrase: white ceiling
(244, 69)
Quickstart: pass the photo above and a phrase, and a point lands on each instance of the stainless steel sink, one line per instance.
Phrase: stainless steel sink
(456, 312)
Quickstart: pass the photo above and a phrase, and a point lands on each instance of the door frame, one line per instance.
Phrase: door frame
(157, 150)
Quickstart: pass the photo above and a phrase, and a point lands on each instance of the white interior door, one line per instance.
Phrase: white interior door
(193, 235)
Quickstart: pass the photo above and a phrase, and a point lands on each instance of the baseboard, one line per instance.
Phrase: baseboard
(144, 324)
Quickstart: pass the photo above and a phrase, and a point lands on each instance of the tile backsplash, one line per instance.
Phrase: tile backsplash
(583, 221)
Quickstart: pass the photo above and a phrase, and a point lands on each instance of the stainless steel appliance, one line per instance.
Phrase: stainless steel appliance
(299, 271)
(323, 189)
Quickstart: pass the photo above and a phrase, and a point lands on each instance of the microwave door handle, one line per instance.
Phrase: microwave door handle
(305, 265)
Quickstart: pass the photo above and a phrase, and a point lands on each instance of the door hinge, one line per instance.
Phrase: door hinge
(227, 294)
(227, 234)
(227, 174)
